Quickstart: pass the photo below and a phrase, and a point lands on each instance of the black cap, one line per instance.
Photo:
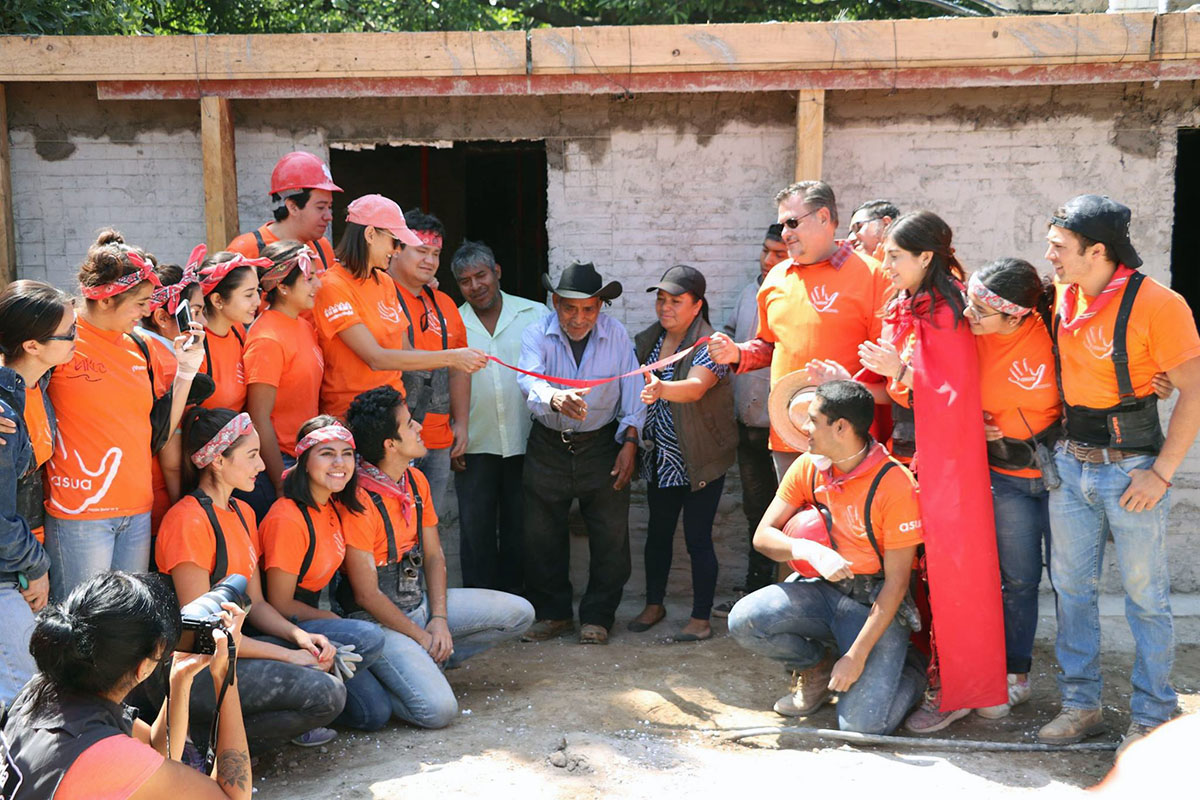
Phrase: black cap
(679, 279)
(1102, 220)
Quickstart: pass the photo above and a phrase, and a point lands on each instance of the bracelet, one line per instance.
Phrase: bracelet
(437, 616)
(902, 372)
(1160, 477)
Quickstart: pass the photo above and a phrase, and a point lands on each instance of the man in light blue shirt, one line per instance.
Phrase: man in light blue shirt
(582, 446)
(488, 476)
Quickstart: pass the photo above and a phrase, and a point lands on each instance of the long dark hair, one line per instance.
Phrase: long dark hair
(352, 251)
(924, 231)
(1018, 281)
(94, 641)
(29, 310)
(295, 485)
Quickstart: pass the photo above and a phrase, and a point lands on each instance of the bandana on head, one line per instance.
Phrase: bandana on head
(330, 433)
(429, 238)
(373, 479)
(275, 275)
(145, 272)
(213, 274)
(994, 301)
(168, 296)
(232, 431)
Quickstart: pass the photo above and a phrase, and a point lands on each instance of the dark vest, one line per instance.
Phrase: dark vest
(45, 745)
(707, 428)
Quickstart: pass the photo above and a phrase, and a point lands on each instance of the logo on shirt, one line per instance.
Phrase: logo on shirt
(822, 300)
(388, 313)
(239, 375)
(104, 474)
(1095, 343)
(1025, 377)
(906, 527)
(338, 310)
(854, 521)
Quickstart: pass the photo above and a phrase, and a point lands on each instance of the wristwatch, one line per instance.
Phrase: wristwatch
(631, 438)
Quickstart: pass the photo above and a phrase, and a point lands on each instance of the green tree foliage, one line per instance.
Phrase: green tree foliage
(320, 16)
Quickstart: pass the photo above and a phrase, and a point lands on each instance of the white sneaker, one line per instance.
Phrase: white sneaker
(1019, 691)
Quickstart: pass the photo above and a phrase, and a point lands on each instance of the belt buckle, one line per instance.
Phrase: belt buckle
(568, 438)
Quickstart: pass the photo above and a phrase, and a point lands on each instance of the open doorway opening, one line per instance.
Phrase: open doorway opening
(1185, 278)
(494, 192)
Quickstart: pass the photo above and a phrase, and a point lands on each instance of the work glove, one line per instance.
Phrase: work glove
(346, 661)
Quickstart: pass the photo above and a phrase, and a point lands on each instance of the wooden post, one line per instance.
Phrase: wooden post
(8, 240)
(220, 172)
(810, 133)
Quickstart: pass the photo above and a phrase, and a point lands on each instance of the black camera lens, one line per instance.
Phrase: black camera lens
(202, 616)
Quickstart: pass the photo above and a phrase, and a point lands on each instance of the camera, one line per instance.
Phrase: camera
(202, 616)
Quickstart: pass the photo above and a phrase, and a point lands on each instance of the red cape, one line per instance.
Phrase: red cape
(956, 512)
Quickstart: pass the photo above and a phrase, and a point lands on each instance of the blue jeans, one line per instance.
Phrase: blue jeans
(699, 508)
(16, 664)
(794, 622)
(366, 700)
(1022, 510)
(478, 619)
(435, 465)
(81, 549)
(1083, 511)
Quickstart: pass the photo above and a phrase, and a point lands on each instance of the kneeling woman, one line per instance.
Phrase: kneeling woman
(396, 569)
(303, 546)
(207, 536)
(69, 732)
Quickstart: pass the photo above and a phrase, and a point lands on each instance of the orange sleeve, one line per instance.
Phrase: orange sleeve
(429, 516)
(360, 530)
(795, 489)
(1173, 337)
(764, 292)
(185, 537)
(111, 769)
(284, 541)
(881, 287)
(896, 512)
(263, 360)
(336, 309)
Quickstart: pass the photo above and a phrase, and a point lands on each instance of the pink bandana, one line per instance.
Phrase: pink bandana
(145, 272)
(168, 296)
(330, 433)
(994, 301)
(1070, 299)
(275, 274)
(875, 454)
(236, 428)
(373, 479)
(213, 274)
(429, 239)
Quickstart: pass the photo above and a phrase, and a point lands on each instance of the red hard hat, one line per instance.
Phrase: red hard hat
(814, 523)
(300, 170)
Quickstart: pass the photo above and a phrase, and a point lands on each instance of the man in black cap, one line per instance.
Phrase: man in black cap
(582, 446)
(1115, 329)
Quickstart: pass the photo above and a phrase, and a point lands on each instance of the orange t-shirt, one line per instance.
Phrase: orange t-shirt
(38, 424)
(1017, 374)
(895, 512)
(113, 768)
(165, 367)
(427, 334)
(227, 370)
(101, 465)
(342, 303)
(1161, 336)
(366, 531)
(820, 311)
(284, 537)
(281, 351)
(186, 537)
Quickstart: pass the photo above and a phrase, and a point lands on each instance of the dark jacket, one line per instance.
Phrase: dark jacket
(20, 485)
(707, 429)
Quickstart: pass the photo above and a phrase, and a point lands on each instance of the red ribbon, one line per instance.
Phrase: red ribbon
(584, 383)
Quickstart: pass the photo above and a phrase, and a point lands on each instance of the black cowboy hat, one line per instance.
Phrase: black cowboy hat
(581, 281)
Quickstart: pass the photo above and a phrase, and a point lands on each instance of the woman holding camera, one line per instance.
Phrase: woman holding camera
(69, 733)
(209, 535)
(303, 545)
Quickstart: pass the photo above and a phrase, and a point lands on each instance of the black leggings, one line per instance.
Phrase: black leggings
(699, 508)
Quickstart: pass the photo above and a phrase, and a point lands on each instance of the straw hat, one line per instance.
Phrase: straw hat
(788, 407)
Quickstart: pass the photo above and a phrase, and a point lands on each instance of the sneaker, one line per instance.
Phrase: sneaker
(315, 738)
(928, 719)
(809, 689)
(722, 609)
(1072, 725)
(1019, 691)
(1136, 732)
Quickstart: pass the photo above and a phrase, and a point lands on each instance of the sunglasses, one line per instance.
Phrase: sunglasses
(794, 222)
(69, 336)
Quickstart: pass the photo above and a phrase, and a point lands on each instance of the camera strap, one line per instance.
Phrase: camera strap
(210, 757)
(221, 562)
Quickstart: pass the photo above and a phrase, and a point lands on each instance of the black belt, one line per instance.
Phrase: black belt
(571, 438)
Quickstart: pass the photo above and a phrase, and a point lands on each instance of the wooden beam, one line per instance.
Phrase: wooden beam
(220, 172)
(8, 239)
(810, 133)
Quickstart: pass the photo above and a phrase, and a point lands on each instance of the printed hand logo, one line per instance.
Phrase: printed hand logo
(110, 464)
(854, 521)
(389, 313)
(1097, 345)
(1024, 376)
(822, 300)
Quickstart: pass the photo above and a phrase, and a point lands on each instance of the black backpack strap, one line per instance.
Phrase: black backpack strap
(441, 318)
(208, 368)
(392, 555)
(221, 564)
(237, 335)
(141, 345)
(321, 253)
(870, 529)
(258, 237)
(416, 493)
(412, 341)
(822, 509)
(1057, 358)
(312, 542)
(1120, 347)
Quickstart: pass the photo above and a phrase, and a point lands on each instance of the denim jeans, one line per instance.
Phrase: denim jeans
(81, 549)
(435, 465)
(1022, 511)
(1083, 511)
(16, 664)
(478, 619)
(794, 622)
(491, 522)
(699, 508)
(367, 705)
(757, 471)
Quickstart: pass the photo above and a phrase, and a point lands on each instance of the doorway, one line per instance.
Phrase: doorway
(1185, 278)
(493, 192)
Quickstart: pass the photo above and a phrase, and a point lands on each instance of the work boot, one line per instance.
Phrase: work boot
(929, 718)
(1136, 731)
(809, 689)
(1072, 725)
(545, 629)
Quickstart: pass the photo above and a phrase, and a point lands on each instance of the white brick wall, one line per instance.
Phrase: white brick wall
(257, 152)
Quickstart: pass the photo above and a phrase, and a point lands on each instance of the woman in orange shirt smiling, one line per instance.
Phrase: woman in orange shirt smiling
(229, 283)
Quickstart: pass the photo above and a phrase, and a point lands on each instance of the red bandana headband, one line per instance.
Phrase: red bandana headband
(213, 274)
(994, 301)
(168, 296)
(145, 272)
(233, 430)
(430, 238)
(275, 275)
(330, 433)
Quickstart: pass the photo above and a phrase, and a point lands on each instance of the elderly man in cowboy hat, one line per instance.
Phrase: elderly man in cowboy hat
(582, 446)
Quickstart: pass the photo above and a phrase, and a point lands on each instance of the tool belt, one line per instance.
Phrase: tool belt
(1130, 426)
(1010, 453)
(866, 588)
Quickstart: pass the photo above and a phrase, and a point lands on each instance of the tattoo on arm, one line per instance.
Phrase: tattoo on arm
(233, 768)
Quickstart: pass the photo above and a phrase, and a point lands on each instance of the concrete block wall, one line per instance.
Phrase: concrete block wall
(257, 151)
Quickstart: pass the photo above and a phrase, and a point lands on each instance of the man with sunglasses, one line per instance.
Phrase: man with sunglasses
(867, 226)
(819, 304)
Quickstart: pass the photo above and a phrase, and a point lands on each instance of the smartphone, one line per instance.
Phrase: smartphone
(183, 317)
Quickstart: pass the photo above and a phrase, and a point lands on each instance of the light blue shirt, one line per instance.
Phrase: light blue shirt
(499, 422)
(545, 349)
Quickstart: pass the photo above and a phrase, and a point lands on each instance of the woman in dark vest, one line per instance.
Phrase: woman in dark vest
(691, 426)
(69, 732)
